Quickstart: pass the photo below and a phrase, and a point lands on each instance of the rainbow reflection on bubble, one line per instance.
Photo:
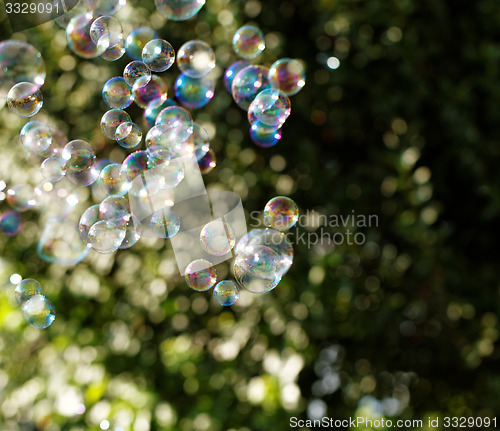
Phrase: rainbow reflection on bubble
(200, 275)
(226, 293)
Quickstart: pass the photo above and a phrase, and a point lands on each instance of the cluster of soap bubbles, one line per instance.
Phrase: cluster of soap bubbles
(261, 91)
(38, 311)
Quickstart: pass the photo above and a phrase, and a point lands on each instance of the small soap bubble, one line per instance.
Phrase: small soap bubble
(264, 136)
(128, 135)
(165, 223)
(11, 223)
(135, 70)
(154, 108)
(192, 92)
(134, 165)
(106, 32)
(39, 312)
(226, 292)
(247, 83)
(114, 52)
(80, 163)
(217, 237)
(116, 209)
(36, 136)
(200, 275)
(112, 181)
(135, 171)
(117, 93)
(158, 55)
(26, 289)
(281, 213)
(132, 233)
(207, 162)
(248, 41)
(78, 36)
(89, 218)
(154, 89)
(196, 58)
(111, 120)
(136, 41)
(287, 75)
(168, 172)
(21, 197)
(270, 108)
(231, 72)
(179, 10)
(106, 236)
(173, 116)
(25, 99)
(52, 168)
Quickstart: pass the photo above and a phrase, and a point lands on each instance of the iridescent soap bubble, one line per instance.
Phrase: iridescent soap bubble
(158, 55)
(179, 10)
(207, 162)
(281, 213)
(270, 108)
(134, 171)
(192, 92)
(108, 7)
(39, 312)
(21, 197)
(128, 135)
(112, 181)
(19, 62)
(116, 209)
(217, 237)
(226, 292)
(247, 83)
(165, 223)
(117, 93)
(248, 41)
(114, 52)
(231, 72)
(166, 171)
(26, 289)
(264, 136)
(136, 41)
(11, 223)
(154, 108)
(152, 90)
(88, 219)
(173, 116)
(196, 58)
(52, 168)
(83, 6)
(287, 75)
(25, 99)
(106, 32)
(80, 163)
(132, 233)
(78, 36)
(134, 165)
(111, 120)
(106, 236)
(135, 70)
(36, 136)
(200, 275)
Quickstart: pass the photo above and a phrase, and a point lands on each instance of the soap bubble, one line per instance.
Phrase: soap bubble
(231, 72)
(106, 32)
(152, 90)
(78, 36)
(26, 289)
(192, 92)
(25, 99)
(115, 52)
(287, 75)
(217, 237)
(135, 70)
(52, 168)
(136, 41)
(173, 116)
(281, 213)
(132, 233)
(128, 135)
(179, 10)
(154, 108)
(88, 219)
(165, 223)
(116, 209)
(10, 223)
(112, 181)
(134, 165)
(248, 41)
(56, 198)
(158, 55)
(111, 120)
(80, 163)
(83, 6)
(226, 292)
(167, 175)
(21, 197)
(108, 7)
(195, 58)
(36, 136)
(134, 171)
(117, 93)
(247, 83)
(200, 275)
(19, 62)
(106, 236)
(264, 136)
(207, 162)
(270, 108)
(39, 312)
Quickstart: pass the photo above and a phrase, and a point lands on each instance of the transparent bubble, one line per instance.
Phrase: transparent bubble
(153, 90)
(200, 275)
(134, 171)
(11, 223)
(115, 52)
(89, 218)
(231, 72)
(167, 174)
(112, 181)
(116, 209)
(287, 75)
(281, 213)
(192, 92)
(196, 58)
(26, 289)
(111, 120)
(173, 116)
(106, 236)
(158, 55)
(270, 108)
(135, 70)
(78, 36)
(36, 137)
(226, 292)
(247, 83)
(117, 93)
(39, 312)
(217, 238)
(154, 108)
(52, 168)
(21, 197)
(132, 233)
(264, 136)
(56, 198)
(136, 41)
(179, 10)
(128, 135)
(25, 99)
(165, 223)
(83, 6)
(19, 62)
(80, 163)
(134, 165)
(108, 7)
(106, 32)
(248, 41)
(207, 162)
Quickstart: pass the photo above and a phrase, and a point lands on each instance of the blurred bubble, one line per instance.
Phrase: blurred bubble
(112, 181)
(106, 236)
(179, 10)
(264, 136)
(195, 58)
(111, 120)
(287, 75)
(26, 289)
(36, 137)
(226, 292)
(207, 162)
(80, 163)
(25, 99)
(11, 223)
(128, 135)
(136, 41)
(78, 36)
(52, 168)
(281, 213)
(135, 70)
(200, 275)
(247, 83)
(89, 218)
(231, 72)
(145, 93)
(248, 41)
(165, 223)
(192, 92)
(39, 312)
(217, 237)
(270, 108)
(21, 197)
(158, 55)
(56, 198)
(117, 93)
